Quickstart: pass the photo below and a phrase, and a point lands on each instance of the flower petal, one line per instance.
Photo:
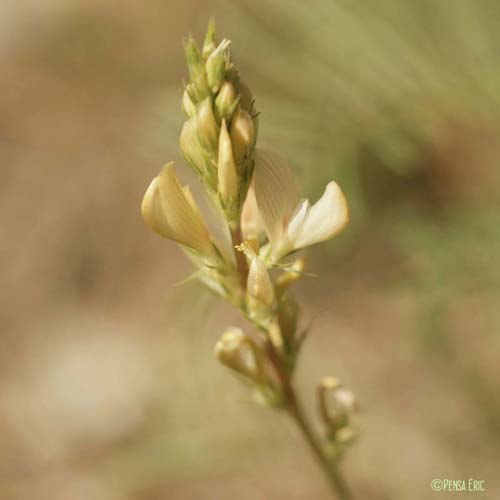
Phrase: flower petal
(275, 192)
(170, 210)
(153, 211)
(297, 220)
(325, 219)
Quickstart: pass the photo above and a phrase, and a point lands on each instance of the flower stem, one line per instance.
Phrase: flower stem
(241, 262)
(337, 483)
(293, 407)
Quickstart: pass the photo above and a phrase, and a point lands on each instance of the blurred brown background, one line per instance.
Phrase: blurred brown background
(109, 388)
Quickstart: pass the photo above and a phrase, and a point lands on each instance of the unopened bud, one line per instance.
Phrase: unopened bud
(226, 101)
(216, 66)
(190, 146)
(197, 71)
(208, 130)
(240, 353)
(259, 285)
(226, 169)
(242, 135)
(252, 225)
(187, 104)
(336, 403)
(209, 44)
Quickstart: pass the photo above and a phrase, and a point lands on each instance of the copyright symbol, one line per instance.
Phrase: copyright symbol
(437, 484)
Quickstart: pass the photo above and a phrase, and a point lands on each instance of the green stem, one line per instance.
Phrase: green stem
(293, 406)
(337, 484)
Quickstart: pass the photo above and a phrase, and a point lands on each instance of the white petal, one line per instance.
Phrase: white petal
(325, 219)
(297, 220)
(275, 192)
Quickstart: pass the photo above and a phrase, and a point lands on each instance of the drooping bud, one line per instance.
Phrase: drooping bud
(187, 105)
(216, 66)
(208, 130)
(337, 405)
(226, 101)
(197, 73)
(242, 135)
(240, 353)
(226, 169)
(209, 44)
(259, 285)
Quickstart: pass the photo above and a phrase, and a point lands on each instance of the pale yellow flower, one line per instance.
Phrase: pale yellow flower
(170, 210)
(292, 223)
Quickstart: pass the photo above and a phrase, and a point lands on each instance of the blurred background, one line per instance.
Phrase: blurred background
(108, 384)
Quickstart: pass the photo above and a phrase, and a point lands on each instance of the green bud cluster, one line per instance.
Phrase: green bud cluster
(218, 139)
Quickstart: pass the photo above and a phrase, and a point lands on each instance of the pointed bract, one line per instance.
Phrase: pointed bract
(210, 43)
(197, 72)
